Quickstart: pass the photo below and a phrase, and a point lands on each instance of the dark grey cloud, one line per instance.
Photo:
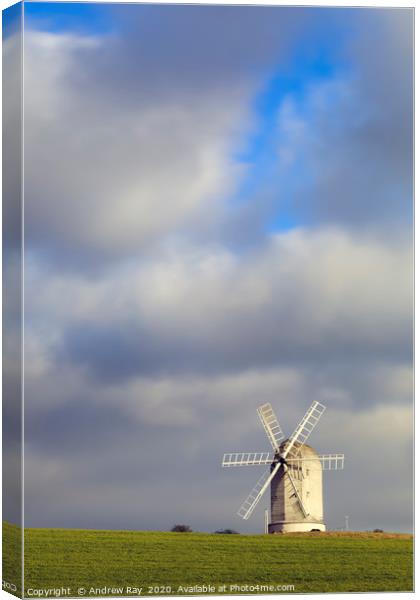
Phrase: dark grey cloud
(117, 353)
(306, 299)
(188, 50)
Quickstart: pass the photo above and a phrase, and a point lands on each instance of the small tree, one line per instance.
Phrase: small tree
(181, 528)
(224, 531)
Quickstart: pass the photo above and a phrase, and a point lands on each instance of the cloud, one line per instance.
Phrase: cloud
(305, 298)
(378, 447)
(141, 137)
(118, 179)
(137, 132)
(352, 131)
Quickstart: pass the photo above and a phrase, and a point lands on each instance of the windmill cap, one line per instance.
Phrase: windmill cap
(304, 450)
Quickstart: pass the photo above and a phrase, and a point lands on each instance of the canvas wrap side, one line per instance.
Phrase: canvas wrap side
(12, 22)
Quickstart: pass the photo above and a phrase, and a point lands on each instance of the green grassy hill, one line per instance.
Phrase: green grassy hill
(57, 558)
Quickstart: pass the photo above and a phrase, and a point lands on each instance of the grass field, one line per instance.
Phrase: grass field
(57, 558)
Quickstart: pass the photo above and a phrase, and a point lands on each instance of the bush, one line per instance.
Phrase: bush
(182, 528)
(226, 531)
(378, 531)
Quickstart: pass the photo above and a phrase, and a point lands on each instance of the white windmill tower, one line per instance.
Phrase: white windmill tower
(295, 474)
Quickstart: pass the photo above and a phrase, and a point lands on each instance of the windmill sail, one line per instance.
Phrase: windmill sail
(246, 459)
(254, 497)
(296, 493)
(329, 462)
(305, 428)
(271, 425)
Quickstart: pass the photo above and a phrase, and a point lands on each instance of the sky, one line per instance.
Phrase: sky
(218, 214)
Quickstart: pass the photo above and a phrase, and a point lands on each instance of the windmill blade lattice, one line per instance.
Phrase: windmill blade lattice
(329, 462)
(305, 428)
(246, 459)
(254, 497)
(271, 425)
(296, 493)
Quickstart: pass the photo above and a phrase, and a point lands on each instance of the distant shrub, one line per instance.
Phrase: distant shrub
(181, 529)
(378, 531)
(226, 531)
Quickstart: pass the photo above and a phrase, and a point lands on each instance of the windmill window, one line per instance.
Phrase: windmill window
(307, 494)
(307, 472)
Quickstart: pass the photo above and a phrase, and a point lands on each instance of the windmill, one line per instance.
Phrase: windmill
(295, 473)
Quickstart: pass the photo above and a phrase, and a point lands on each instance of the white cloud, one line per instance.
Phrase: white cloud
(305, 297)
(119, 177)
(170, 331)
